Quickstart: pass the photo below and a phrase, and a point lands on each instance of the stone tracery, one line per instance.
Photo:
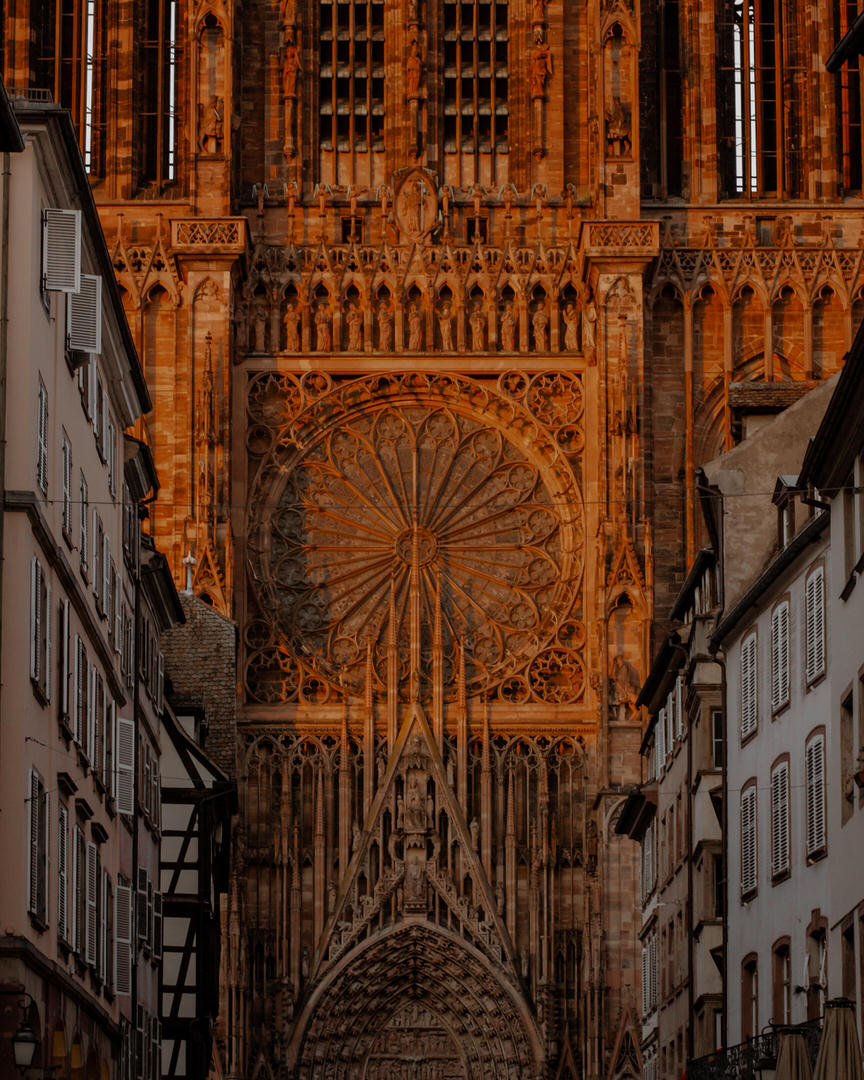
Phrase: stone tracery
(377, 476)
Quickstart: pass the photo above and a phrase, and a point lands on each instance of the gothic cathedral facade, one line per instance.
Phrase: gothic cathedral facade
(441, 304)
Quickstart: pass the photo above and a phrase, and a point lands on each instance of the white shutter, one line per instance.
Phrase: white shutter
(90, 920)
(160, 684)
(748, 840)
(84, 316)
(814, 623)
(90, 747)
(679, 707)
(61, 250)
(124, 764)
(42, 439)
(65, 659)
(815, 775)
(660, 740)
(35, 616)
(62, 872)
(85, 512)
(67, 485)
(749, 686)
(142, 912)
(780, 819)
(106, 575)
(779, 656)
(123, 939)
(33, 844)
(102, 968)
(118, 611)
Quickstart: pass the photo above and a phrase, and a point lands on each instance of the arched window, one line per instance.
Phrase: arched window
(157, 73)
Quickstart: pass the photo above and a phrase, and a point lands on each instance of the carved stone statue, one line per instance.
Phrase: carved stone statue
(445, 325)
(571, 321)
(508, 329)
(260, 325)
(210, 126)
(290, 65)
(618, 142)
(322, 329)
(474, 828)
(589, 318)
(539, 324)
(354, 320)
(415, 328)
(414, 70)
(539, 67)
(292, 328)
(478, 328)
(385, 328)
(538, 11)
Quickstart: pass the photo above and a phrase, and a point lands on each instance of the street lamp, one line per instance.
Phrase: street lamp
(24, 1044)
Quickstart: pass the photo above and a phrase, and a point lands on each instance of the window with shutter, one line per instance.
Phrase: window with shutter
(98, 545)
(61, 250)
(84, 316)
(62, 873)
(644, 981)
(37, 846)
(814, 763)
(42, 440)
(142, 920)
(40, 633)
(90, 885)
(117, 605)
(123, 939)
(64, 665)
(106, 578)
(85, 514)
(780, 819)
(101, 966)
(99, 704)
(814, 624)
(679, 707)
(748, 841)
(157, 925)
(749, 687)
(111, 456)
(780, 656)
(124, 789)
(660, 739)
(67, 489)
(108, 929)
(156, 1033)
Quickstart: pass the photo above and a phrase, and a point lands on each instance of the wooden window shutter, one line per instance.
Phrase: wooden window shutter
(124, 765)
(157, 924)
(84, 316)
(67, 486)
(90, 748)
(62, 873)
(34, 844)
(749, 686)
(815, 775)
(42, 439)
(106, 576)
(91, 922)
(85, 536)
(142, 922)
(779, 656)
(780, 819)
(814, 623)
(103, 924)
(644, 981)
(65, 658)
(35, 617)
(123, 939)
(748, 840)
(61, 250)
(118, 610)
(660, 740)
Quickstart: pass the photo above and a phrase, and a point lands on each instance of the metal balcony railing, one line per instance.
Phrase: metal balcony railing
(745, 1061)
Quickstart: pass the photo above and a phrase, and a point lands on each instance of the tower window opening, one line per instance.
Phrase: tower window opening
(352, 88)
(159, 59)
(475, 77)
(849, 108)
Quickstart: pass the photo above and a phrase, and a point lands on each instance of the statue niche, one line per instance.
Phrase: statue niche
(211, 87)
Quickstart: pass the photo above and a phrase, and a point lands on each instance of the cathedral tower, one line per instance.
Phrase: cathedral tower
(441, 302)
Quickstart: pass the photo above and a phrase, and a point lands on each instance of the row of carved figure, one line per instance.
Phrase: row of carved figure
(506, 329)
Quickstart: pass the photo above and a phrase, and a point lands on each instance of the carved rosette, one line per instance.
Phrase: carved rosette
(474, 485)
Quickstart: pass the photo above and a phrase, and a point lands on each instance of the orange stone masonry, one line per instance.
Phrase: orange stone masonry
(441, 306)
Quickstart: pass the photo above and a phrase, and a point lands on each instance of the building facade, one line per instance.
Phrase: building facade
(440, 305)
(80, 676)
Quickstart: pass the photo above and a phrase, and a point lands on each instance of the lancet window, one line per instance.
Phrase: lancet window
(158, 69)
(475, 76)
(68, 60)
(351, 76)
(848, 90)
(760, 142)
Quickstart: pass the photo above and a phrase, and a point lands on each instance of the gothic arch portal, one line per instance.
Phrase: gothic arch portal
(416, 1003)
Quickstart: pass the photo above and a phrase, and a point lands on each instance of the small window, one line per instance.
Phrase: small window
(749, 687)
(42, 438)
(780, 656)
(814, 760)
(814, 623)
(717, 738)
(749, 853)
(781, 990)
(749, 997)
